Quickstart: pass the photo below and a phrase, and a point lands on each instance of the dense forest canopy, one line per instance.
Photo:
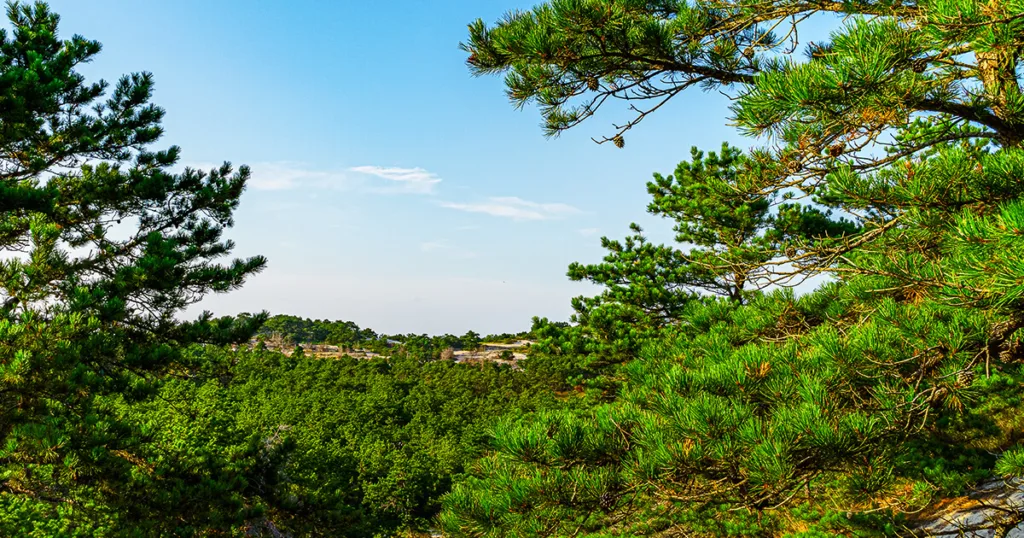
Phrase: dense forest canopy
(696, 395)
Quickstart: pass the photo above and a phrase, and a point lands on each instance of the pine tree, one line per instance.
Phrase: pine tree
(879, 389)
(726, 241)
(102, 247)
(888, 68)
(733, 236)
(889, 61)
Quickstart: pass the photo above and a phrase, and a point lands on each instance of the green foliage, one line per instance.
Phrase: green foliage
(534, 494)
(102, 247)
(298, 330)
(285, 329)
(887, 64)
(752, 407)
(685, 399)
(332, 447)
(893, 384)
(470, 340)
(507, 338)
(734, 236)
(1011, 463)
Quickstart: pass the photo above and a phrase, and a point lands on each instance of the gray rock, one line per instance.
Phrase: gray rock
(994, 510)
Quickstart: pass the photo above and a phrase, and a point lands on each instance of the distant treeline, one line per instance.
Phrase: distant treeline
(294, 330)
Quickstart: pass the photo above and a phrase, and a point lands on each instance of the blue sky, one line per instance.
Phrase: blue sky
(390, 188)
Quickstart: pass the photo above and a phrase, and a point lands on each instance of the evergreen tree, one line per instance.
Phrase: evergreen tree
(889, 62)
(470, 340)
(883, 389)
(887, 69)
(733, 235)
(102, 246)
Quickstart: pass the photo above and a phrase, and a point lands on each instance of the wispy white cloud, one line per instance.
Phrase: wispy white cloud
(404, 180)
(286, 175)
(432, 246)
(587, 232)
(444, 247)
(278, 176)
(515, 208)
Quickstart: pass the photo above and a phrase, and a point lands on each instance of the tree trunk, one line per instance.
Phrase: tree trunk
(997, 69)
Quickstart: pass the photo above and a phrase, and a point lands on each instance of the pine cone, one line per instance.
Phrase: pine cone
(964, 378)
(607, 500)
(592, 84)
(618, 141)
(1011, 351)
